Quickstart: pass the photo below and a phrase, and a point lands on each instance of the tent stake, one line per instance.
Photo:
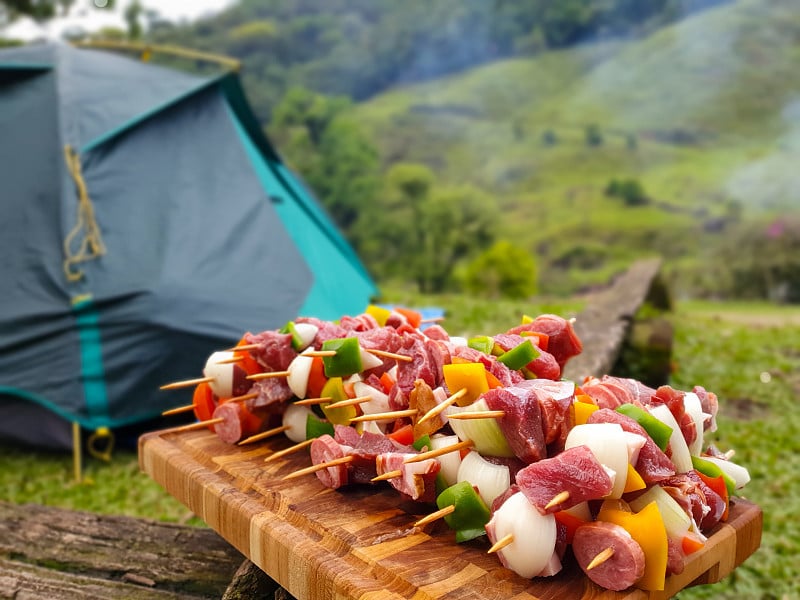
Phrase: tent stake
(76, 450)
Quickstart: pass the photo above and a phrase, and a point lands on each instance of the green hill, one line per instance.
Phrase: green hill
(705, 114)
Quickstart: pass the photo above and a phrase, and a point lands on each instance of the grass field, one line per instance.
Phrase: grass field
(749, 354)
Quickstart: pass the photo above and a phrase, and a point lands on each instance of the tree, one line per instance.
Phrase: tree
(594, 137)
(504, 270)
(330, 151)
(421, 230)
(346, 175)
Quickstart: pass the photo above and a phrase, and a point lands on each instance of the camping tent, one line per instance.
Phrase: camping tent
(146, 222)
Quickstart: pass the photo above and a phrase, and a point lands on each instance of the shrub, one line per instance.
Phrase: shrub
(504, 270)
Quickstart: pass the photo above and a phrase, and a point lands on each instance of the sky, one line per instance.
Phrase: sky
(92, 15)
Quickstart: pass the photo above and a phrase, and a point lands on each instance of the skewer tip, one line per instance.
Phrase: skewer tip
(602, 557)
(557, 499)
(501, 543)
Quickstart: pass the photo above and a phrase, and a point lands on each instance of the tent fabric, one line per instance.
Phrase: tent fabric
(206, 234)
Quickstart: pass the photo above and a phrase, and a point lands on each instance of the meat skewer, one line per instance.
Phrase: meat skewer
(516, 400)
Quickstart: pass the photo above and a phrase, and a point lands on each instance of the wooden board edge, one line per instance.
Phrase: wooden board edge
(343, 577)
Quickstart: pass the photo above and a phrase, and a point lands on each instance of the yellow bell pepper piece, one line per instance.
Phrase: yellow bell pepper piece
(583, 411)
(380, 313)
(470, 376)
(341, 415)
(647, 528)
(634, 482)
(527, 319)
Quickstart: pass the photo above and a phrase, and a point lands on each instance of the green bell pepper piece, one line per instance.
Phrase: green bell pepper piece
(482, 343)
(423, 442)
(708, 468)
(658, 430)
(347, 359)
(316, 427)
(519, 355)
(471, 513)
(297, 341)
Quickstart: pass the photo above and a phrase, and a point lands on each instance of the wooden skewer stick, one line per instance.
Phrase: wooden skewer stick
(228, 361)
(313, 401)
(602, 557)
(395, 414)
(442, 512)
(324, 465)
(193, 426)
(289, 450)
(177, 411)
(350, 401)
(265, 434)
(243, 348)
(387, 475)
(186, 383)
(319, 353)
(480, 414)
(432, 319)
(271, 374)
(438, 452)
(249, 396)
(557, 499)
(442, 406)
(385, 354)
(501, 543)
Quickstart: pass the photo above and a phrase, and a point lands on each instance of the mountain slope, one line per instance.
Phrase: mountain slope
(705, 114)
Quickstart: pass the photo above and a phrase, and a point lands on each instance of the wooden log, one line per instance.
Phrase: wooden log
(250, 583)
(49, 552)
(604, 326)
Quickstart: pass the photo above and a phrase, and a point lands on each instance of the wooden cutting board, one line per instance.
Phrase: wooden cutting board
(324, 544)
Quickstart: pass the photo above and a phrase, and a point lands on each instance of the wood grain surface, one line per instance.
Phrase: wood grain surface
(360, 542)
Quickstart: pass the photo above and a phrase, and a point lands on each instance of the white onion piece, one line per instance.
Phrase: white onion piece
(371, 426)
(299, 371)
(534, 535)
(449, 462)
(635, 443)
(457, 341)
(295, 417)
(378, 401)
(222, 383)
(680, 455)
(676, 520)
(559, 390)
(737, 472)
(609, 446)
(369, 360)
(306, 332)
(484, 433)
(490, 479)
(693, 407)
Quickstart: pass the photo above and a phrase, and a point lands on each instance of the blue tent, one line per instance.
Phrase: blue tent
(147, 221)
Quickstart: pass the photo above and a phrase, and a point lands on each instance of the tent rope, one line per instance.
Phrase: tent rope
(91, 244)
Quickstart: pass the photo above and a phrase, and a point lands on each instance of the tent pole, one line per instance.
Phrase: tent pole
(76, 451)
